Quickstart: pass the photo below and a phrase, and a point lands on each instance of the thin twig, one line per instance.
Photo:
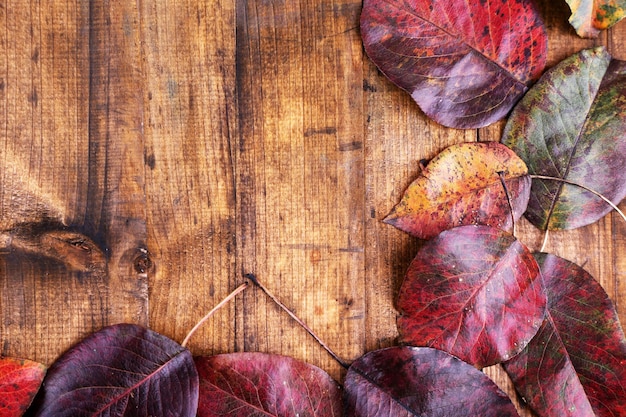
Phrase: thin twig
(256, 282)
(594, 192)
(545, 241)
(210, 313)
(597, 194)
(508, 200)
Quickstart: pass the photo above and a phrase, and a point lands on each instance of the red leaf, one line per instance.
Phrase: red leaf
(122, 370)
(20, 380)
(475, 292)
(466, 63)
(462, 186)
(409, 381)
(576, 364)
(259, 384)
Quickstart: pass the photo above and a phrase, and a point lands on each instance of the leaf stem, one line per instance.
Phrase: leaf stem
(508, 200)
(210, 313)
(256, 282)
(597, 194)
(545, 241)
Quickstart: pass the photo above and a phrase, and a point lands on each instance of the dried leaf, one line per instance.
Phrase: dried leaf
(259, 384)
(473, 291)
(576, 364)
(572, 125)
(20, 380)
(589, 17)
(465, 63)
(409, 381)
(462, 186)
(122, 370)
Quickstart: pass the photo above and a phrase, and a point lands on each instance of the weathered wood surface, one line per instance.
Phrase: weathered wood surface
(152, 153)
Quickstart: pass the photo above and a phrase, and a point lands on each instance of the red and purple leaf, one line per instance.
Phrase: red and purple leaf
(473, 291)
(589, 17)
(465, 63)
(576, 364)
(121, 370)
(260, 384)
(409, 381)
(20, 380)
(572, 126)
(462, 185)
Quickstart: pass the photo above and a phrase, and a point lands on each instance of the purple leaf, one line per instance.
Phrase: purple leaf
(409, 381)
(465, 63)
(121, 370)
(259, 384)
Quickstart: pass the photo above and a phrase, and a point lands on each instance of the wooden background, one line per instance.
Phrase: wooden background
(153, 152)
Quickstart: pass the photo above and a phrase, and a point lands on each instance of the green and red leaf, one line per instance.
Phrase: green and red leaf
(465, 63)
(462, 185)
(576, 364)
(473, 291)
(571, 126)
(20, 380)
(409, 381)
(589, 17)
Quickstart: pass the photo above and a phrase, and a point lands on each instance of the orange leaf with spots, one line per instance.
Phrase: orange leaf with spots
(589, 17)
(463, 186)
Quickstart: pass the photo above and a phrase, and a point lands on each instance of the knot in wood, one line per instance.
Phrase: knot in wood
(142, 262)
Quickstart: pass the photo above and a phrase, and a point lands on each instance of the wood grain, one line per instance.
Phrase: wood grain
(155, 152)
(190, 127)
(300, 168)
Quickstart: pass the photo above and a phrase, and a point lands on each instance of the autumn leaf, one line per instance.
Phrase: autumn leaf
(576, 364)
(572, 126)
(465, 63)
(20, 380)
(462, 186)
(473, 291)
(121, 370)
(409, 381)
(247, 384)
(589, 17)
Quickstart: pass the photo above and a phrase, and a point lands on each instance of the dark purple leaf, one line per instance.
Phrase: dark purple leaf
(572, 125)
(466, 63)
(409, 381)
(259, 384)
(473, 291)
(121, 370)
(576, 364)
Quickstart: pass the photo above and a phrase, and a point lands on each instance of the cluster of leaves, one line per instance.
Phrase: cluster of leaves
(474, 295)
(128, 370)
(473, 290)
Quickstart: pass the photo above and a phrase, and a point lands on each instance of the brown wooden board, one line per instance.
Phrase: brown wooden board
(154, 152)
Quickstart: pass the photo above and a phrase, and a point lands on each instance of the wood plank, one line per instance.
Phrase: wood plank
(191, 132)
(116, 202)
(300, 165)
(71, 202)
(49, 295)
(616, 240)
